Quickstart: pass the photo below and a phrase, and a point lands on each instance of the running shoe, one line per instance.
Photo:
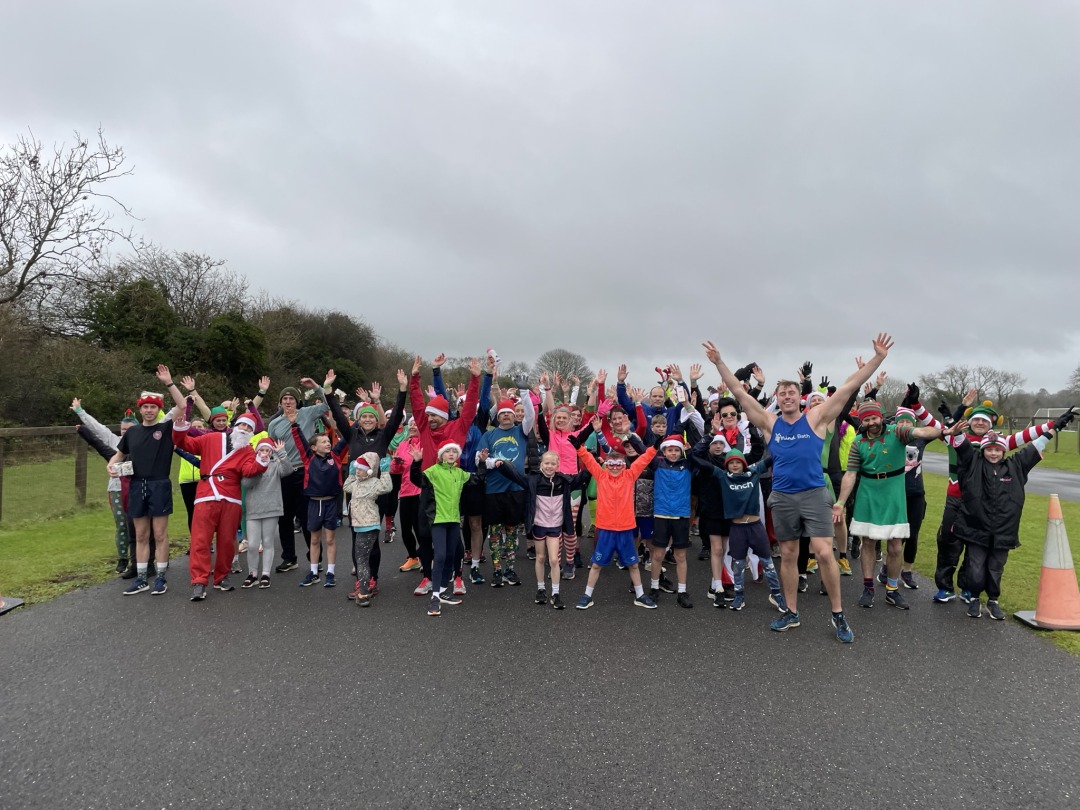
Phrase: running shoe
(683, 600)
(844, 632)
(541, 596)
(965, 597)
(644, 602)
(896, 599)
(410, 564)
(666, 586)
(138, 586)
(943, 596)
(224, 585)
(785, 622)
(286, 565)
(423, 588)
(434, 607)
(974, 609)
(448, 598)
(330, 581)
(309, 579)
(907, 579)
(264, 582)
(584, 603)
(882, 577)
(459, 586)
(475, 577)
(803, 583)
(811, 566)
(704, 554)
(568, 571)
(845, 567)
(198, 592)
(160, 586)
(856, 548)
(778, 601)
(739, 602)
(531, 553)
(510, 577)
(355, 592)
(557, 602)
(497, 579)
(995, 611)
(373, 586)
(867, 598)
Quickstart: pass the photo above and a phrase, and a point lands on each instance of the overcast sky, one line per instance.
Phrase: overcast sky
(622, 179)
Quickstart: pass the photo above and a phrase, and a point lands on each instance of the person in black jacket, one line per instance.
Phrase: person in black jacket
(991, 504)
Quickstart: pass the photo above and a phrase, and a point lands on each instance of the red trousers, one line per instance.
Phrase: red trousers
(213, 517)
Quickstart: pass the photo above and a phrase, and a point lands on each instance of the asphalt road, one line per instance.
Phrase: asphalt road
(296, 698)
(1042, 480)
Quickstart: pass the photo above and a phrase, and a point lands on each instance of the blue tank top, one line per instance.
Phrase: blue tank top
(796, 452)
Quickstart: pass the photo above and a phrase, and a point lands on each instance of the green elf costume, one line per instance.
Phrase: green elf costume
(881, 505)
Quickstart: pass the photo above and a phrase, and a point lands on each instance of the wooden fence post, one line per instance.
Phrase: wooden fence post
(80, 471)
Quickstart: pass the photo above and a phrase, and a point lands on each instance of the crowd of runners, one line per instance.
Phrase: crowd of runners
(777, 482)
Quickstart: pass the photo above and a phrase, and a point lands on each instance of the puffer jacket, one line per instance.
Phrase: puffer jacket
(363, 510)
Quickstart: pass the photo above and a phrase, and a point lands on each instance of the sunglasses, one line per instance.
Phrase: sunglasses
(726, 414)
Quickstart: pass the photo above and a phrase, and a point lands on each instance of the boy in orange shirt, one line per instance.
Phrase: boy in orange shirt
(615, 520)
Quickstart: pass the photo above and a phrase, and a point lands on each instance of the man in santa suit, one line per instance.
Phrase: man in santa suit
(226, 459)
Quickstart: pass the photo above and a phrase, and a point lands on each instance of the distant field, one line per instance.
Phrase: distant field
(1066, 456)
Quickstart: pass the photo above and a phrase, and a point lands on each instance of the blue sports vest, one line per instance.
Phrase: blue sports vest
(796, 452)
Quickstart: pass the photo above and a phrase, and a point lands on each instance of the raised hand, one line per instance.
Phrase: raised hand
(970, 397)
(430, 391)
(859, 362)
(402, 380)
(440, 358)
(264, 383)
(695, 372)
(179, 421)
(474, 366)
(416, 453)
(331, 375)
(957, 427)
(880, 379)
(279, 445)
(234, 403)
(307, 382)
(622, 372)
(460, 390)
(545, 380)
(575, 379)
(188, 382)
(597, 423)
(376, 391)
(912, 395)
(417, 364)
(164, 374)
(361, 393)
(882, 344)
(676, 372)
(483, 455)
(807, 369)
(867, 389)
(1062, 421)
(824, 382)
(76, 403)
(711, 352)
(601, 376)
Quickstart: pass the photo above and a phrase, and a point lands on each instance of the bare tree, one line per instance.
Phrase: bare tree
(565, 363)
(1074, 380)
(55, 221)
(954, 381)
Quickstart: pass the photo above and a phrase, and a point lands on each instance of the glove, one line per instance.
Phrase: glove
(807, 386)
(832, 390)
(521, 382)
(1064, 419)
(912, 395)
(943, 409)
(824, 382)
(743, 374)
(807, 368)
(573, 441)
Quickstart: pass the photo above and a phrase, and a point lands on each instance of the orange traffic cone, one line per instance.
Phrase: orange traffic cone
(1058, 605)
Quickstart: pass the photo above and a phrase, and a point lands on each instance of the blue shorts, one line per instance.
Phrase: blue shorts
(609, 542)
(149, 498)
(645, 527)
(542, 532)
(323, 514)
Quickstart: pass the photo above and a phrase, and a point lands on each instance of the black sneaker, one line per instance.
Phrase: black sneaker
(497, 579)
(908, 581)
(654, 594)
(531, 553)
(510, 577)
(224, 585)
(896, 599)
(669, 557)
(704, 554)
(286, 565)
(683, 600)
(666, 586)
(867, 598)
(541, 596)
(856, 548)
(198, 592)
(577, 560)
(557, 602)
(995, 611)
(727, 594)
(882, 577)
(121, 565)
(974, 608)
(803, 583)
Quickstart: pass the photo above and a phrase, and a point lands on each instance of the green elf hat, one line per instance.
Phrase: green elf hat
(217, 411)
(363, 408)
(733, 455)
(984, 411)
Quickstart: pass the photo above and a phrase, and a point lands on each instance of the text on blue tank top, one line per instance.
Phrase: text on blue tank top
(796, 452)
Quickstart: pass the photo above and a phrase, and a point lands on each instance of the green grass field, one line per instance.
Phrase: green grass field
(1065, 457)
(43, 559)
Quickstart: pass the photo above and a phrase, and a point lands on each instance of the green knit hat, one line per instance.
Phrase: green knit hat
(986, 411)
(732, 455)
(365, 408)
(290, 391)
(217, 411)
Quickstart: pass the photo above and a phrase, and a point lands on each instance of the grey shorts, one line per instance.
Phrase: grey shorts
(801, 514)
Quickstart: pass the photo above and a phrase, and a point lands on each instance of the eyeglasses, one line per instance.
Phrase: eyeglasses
(728, 413)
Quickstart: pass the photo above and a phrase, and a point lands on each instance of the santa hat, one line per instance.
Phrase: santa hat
(673, 441)
(994, 439)
(812, 395)
(438, 407)
(984, 411)
(869, 408)
(506, 406)
(448, 445)
(906, 414)
(246, 420)
(719, 438)
(265, 442)
(150, 398)
(360, 465)
(731, 456)
(714, 397)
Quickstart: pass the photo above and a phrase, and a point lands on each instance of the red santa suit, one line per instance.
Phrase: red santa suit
(217, 499)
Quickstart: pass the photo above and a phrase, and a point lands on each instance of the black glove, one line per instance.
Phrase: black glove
(1064, 419)
(912, 395)
(824, 382)
(943, 409)
(574, 441)
(831, 390)
(743, 374)
(807, 368)
(873, 394)
(521, 382)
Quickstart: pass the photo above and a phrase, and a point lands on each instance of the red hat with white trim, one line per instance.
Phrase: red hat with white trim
(246, 420)
(673, 441)
(448, 445)
(438, 407)
(506, 406)
(150, 398)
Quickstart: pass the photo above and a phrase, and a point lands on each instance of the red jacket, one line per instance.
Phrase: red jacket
(221, 469)
(615, 493)
(456, 430)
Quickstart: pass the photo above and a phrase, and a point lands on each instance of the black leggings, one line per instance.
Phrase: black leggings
(804, 554)
(409, 507)
(916, 511)
(388, 501)
(294, 503)
(375, 559)
(446, 539)
(187, 492)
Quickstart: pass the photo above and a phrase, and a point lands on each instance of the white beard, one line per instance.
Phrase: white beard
(238, 438)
